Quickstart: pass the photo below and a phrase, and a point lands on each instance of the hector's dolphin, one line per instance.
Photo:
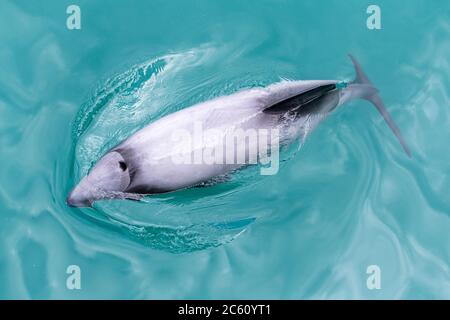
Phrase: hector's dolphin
(144, 163)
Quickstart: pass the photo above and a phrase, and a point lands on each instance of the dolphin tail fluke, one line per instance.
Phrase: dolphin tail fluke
(370, 93)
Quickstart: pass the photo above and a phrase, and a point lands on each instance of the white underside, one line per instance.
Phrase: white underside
(156, 146)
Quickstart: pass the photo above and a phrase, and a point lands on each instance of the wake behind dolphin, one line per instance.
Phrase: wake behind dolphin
(152, 161)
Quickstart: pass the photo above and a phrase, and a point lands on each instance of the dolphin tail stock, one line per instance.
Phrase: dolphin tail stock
(366, 90)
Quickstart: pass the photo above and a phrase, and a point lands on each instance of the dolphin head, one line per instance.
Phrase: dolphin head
(109, 175)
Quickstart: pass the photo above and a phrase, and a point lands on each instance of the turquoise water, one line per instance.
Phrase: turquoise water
(348, 199)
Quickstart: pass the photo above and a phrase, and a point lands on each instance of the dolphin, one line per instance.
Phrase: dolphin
(143, 164)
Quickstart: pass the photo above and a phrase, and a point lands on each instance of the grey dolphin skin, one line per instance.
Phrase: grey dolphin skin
(143, 163)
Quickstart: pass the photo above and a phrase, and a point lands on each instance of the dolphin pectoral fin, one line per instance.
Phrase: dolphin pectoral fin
(123, 195)
(134, 196)
(213, 181)
(367, 91)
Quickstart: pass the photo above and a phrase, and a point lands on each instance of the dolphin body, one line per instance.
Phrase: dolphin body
(143, 163)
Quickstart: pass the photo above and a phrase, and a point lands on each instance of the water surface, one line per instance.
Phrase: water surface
(348, 199)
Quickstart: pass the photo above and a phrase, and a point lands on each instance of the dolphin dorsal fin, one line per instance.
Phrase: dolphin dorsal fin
(295, 102)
